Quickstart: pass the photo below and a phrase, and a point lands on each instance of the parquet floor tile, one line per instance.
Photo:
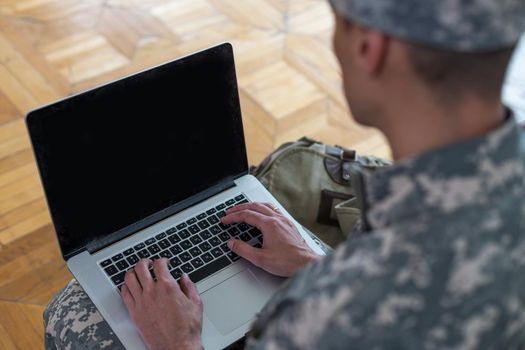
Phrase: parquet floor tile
(289, 81)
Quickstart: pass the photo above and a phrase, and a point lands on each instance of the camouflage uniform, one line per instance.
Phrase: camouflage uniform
(443, 269)
(72, 321)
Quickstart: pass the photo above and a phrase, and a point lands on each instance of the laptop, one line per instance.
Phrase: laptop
(144, 167)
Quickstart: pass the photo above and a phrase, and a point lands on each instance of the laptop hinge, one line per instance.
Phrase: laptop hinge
(99, 244)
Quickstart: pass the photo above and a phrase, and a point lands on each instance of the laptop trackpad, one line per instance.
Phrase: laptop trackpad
(234, 302)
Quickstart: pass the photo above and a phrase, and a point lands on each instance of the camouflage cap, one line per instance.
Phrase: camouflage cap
(458, 25)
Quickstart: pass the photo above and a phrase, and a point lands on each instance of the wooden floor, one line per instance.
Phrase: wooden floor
(289, 86)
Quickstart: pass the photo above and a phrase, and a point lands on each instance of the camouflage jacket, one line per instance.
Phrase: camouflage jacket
(444, 267)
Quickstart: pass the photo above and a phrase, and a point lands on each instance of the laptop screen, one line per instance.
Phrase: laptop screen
(115, 155)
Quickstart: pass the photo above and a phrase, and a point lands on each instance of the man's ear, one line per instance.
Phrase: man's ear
(373, 49)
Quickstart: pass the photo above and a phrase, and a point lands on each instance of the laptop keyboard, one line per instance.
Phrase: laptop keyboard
(196, 247)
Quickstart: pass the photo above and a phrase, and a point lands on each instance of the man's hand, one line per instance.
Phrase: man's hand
(284, 251)
(168, 316)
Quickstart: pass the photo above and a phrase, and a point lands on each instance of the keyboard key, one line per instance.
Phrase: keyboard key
(215, 230)
(143, 254)
(174, 262)
(224, 236)
(139, 246)
(174, 238)
(129, 251)
(201, 216)
(186, 245)
(185, 256)
(195, 251)
(221, 213)
(213, 219)
(155, 257)
(197, 262)
(161, 236)
(111, 270)
(165, 254)
(176, 249)
(118, 278)
(132, 259)
(105, 263)
(220, 206)
(194, 229)
(191, 221)
(225, 248)
(184, 234)
(117, 257)
(176, 273)
(122, 265)
(257, 245)
(243, 201)
(181, 226)
(209, 269)
(207, 257)
(215, 241)
(239, 198)
(164, 244)
(245, 237)
(230, 202)
(205, 246)
(234, 231)
(211, 211)
(187, 268)
(254, 232)
(203, 224)
(233, 256)
(217, 252)
(243, 226)
(150, 241)
(196, 240)
(171, 230)
(153, 249)
(223, 226)
(205, 234)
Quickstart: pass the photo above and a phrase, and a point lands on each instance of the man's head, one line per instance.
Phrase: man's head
(439, 49)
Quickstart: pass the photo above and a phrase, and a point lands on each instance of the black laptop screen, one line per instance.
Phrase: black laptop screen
(122, 152)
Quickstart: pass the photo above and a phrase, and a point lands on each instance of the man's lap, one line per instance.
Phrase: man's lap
(72, 321)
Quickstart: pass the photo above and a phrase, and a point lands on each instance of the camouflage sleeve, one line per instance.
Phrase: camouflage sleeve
(71, 321)
(386, 291)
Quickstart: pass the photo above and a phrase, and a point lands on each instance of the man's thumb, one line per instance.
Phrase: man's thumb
(245, 250)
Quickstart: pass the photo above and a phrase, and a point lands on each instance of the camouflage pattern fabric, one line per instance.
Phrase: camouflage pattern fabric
(72, 321)
(442, 267)
(462, 25)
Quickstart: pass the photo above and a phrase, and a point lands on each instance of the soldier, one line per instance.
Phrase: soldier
(442, 263)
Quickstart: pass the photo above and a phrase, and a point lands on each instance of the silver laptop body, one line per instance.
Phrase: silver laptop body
(136, 168)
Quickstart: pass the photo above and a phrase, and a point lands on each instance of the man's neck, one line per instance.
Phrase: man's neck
(418, 128)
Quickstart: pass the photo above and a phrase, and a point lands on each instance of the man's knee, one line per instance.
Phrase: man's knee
(72, 321)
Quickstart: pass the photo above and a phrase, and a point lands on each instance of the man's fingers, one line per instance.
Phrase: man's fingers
(127, 297)
(143, 274)
(162, 272)
(248, 216)
(189, 288)
(244, 250)
(262, 208)
(132, 283)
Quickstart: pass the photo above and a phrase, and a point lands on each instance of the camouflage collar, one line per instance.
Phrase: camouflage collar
(444, 180)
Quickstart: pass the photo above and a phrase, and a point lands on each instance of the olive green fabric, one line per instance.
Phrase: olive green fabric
(295, 174)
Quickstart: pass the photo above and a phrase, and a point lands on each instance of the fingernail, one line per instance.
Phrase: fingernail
(230, 243)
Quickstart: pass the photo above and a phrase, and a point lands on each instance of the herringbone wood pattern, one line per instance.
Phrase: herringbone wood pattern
(289, 87)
